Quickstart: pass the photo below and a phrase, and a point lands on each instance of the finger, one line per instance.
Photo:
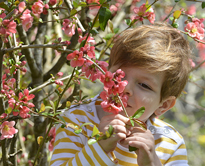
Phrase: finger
(116, 116)
(140, 145)
(138, 129)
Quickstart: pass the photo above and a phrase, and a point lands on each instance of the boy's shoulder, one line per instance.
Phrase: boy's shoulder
(163, 129)
(80, 111)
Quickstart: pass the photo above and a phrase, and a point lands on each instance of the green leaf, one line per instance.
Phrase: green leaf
(48, 107)
(75, 3)
(11, 61)
(83, 4)
(131, 149)
(141, 123)
(138, 113)
(40, 20)
(42, 108)
(78, 131)
(109, 36)
(177, 0)
(94, 32)
(128, 21)
(110, 129)
(63, 126)
(73, 12)
(84, 124)
(4, 6)
(111, 26)
(177, 14)
(95, 131)
(175, 25)
(61, 118)
(132, 122)
(104, 16)
(82, 44)
(203, 5)
(102, 1)
(12, 70)
(91, 141)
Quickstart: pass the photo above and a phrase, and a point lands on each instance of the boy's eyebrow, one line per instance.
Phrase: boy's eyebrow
(151, 79)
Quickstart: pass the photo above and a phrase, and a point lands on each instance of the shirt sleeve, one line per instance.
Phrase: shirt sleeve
(72, 149)
(179, 157)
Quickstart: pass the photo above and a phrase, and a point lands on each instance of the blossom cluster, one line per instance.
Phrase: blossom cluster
(94, 69)
(16, 105)
(195, 28)
(144, 13)
(8, 26)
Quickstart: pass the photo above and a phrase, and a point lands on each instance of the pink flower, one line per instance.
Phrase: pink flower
(80, 31)
(90, 51)
(12, 102)
(59, 74)
(191, 10)
(27, 20)
(76, 58)
(90, 40)
(151, 17)
(119, 74)
(113, 8)
(4, 115)
(7, 130)
(107, 79)
(111, 103)
(24, 111)
(37, 7)
(52, 135)
(58, 82)
(118, 87)
(22, 6)
(2, 15)
(10, 26)
(68, 27)
(25, 97)
(52, 2)
(91, 71)
(199, 21)
(194, 30)
(143, 13)
(110, 107)
(192, 63)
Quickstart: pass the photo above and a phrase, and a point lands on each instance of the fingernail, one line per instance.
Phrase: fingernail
(129, 132)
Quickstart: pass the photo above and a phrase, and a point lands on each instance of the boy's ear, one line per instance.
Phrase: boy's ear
(166, 105)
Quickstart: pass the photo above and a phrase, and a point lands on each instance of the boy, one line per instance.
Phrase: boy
(155, 60)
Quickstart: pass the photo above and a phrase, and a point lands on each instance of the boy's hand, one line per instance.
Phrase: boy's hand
(120, 131)
(145, 144)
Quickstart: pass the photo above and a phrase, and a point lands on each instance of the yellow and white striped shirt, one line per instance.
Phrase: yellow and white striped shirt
(71, 149)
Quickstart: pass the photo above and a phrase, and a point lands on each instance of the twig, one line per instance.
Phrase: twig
(49, 82)
(78, 21)
(55, 46)
(170, 12)
(195, 105)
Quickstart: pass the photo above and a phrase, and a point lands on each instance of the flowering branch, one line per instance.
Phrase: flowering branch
(54, 46)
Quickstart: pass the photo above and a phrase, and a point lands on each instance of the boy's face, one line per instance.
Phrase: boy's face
(143, 89)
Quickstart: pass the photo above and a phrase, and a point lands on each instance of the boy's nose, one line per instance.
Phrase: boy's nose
(128, 89)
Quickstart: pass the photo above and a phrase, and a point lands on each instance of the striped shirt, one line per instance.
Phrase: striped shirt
(71, 149)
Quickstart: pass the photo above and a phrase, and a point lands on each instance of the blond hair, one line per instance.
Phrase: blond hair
(156, 48)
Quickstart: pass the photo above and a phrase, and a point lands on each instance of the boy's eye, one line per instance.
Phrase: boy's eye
(145, 86)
